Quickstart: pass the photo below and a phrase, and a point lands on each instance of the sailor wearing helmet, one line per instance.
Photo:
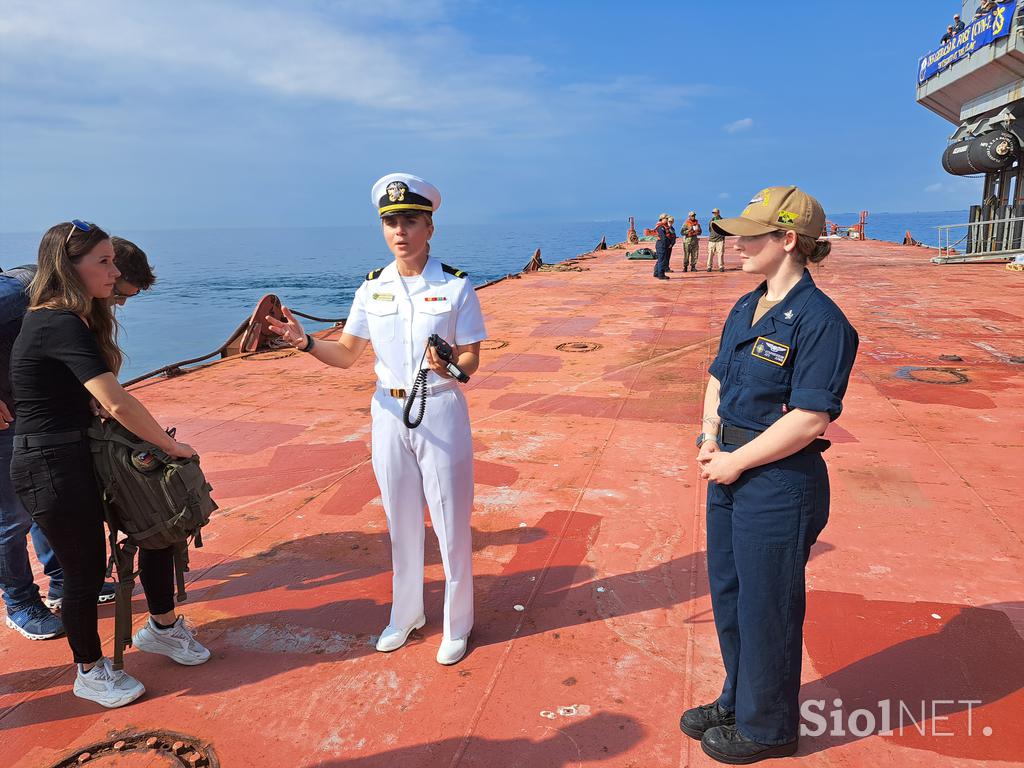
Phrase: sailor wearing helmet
(396, 309)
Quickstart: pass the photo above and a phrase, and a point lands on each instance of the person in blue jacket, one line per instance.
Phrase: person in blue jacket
(778, 380)
(661, 247)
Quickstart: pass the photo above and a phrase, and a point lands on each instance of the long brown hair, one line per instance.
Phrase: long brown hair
(58, 286)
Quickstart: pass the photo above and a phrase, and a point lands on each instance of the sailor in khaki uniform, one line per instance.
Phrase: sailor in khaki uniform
(396, 309)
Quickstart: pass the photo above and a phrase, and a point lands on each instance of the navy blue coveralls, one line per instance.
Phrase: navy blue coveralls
(670, 243)
(661, 249)
(761, 527)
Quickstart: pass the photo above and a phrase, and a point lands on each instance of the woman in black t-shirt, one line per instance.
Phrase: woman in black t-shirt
(66, 357)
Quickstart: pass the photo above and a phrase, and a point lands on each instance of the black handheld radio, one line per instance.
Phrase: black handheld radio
(419, 387)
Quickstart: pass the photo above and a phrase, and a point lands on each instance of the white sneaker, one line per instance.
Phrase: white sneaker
(178, 642)
(107, 686)
(391, 639)
(451, 651)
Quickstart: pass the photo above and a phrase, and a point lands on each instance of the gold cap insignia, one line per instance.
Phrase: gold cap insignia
(396, 191)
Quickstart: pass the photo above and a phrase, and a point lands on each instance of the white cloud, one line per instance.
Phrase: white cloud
(936, 187)
(391, 70)
(723, 195)
(736, 126)
(410, 68)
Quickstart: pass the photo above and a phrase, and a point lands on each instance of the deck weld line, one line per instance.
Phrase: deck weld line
(931, 447)
(500, 666)
(572, 388)
(685, 754)
(340, 475)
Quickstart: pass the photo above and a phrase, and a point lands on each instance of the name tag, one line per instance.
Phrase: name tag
(383, 297)
(435, 298)
(772, 351)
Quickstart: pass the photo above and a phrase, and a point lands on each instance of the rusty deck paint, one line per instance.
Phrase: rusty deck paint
(590, 519)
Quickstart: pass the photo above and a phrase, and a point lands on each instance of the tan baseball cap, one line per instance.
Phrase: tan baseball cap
(773, 209)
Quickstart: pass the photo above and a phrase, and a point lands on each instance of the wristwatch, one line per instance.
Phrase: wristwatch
(703, 437)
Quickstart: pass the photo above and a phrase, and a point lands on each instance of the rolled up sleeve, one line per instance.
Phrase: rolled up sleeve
(821, 371)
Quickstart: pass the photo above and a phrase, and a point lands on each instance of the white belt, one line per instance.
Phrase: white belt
(432, 389)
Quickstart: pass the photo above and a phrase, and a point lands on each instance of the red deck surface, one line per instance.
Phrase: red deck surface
(590, 516)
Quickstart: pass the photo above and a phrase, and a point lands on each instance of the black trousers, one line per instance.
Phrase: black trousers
(59, 490)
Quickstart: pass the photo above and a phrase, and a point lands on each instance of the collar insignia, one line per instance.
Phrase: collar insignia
(788, 314)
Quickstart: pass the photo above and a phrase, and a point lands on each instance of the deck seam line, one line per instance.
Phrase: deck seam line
(950, 467)
(50, 681)
(500, 666)
(686, 754)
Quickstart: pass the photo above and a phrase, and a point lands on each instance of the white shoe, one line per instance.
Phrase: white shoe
(178, 642)
(107, 686)
(451, 651)
(391, 639)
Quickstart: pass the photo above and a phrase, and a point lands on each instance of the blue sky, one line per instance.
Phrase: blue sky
(251, 113)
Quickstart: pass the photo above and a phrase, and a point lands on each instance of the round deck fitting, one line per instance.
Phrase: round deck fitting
(578, 346)
(492, 344)
(143, 748)
(933, 375)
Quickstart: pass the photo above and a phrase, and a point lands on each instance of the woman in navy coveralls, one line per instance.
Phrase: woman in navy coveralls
(777, 382)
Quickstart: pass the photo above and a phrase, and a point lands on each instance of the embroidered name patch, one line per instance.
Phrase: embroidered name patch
(435, 298)
(383, 297)
(772, 351)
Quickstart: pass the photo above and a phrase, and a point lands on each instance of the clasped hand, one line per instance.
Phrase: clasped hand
(717, 465)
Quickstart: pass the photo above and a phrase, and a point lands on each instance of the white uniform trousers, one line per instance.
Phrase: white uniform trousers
(430, 466)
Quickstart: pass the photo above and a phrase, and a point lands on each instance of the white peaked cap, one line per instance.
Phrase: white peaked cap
(402, 193)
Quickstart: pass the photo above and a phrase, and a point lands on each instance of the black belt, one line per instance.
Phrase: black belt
(48, 439)
(730, 435)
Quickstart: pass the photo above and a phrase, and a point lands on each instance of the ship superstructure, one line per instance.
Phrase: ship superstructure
(976, 82)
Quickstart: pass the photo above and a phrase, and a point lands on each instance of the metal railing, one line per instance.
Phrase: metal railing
(991, 239)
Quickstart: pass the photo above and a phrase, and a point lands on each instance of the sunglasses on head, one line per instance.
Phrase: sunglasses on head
(80, 226)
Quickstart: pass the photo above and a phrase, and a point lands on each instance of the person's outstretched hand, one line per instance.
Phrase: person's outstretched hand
(290, 330)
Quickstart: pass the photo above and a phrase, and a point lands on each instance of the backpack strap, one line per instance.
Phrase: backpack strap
(180, 568)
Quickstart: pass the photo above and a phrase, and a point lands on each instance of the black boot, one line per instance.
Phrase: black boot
(709, 269)
(721, 269)
(699, 719)
(726, 744)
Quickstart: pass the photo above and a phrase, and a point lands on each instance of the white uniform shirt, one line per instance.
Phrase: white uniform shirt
(397, 317)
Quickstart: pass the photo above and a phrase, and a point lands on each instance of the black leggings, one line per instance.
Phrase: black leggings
(59, 490)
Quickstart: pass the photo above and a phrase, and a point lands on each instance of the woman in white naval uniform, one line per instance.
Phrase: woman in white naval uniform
(397, 308)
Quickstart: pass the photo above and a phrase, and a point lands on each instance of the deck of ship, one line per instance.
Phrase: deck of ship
(594, 627)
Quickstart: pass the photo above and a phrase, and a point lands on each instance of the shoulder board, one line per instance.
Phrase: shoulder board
(375, 274)
(454, 271)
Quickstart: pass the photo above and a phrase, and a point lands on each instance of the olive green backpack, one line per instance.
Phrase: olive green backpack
(155, 500)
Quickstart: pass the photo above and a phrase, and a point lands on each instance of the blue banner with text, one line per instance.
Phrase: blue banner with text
(976, 35)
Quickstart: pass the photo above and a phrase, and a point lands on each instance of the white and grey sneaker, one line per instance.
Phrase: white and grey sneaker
(107, 686)
(179, 642)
